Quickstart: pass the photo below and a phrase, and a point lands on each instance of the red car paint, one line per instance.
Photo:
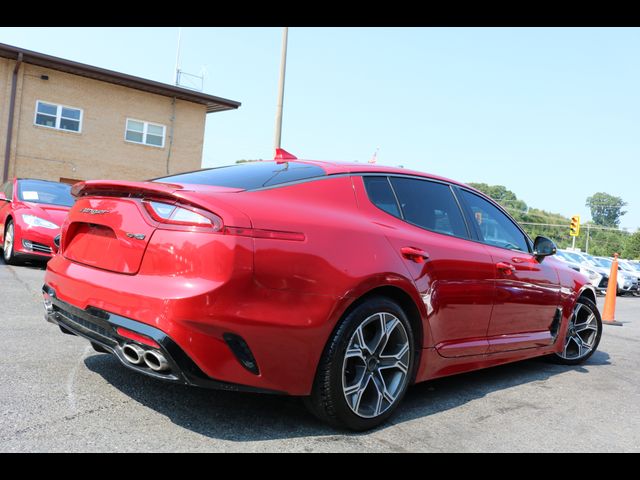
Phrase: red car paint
(288, 262)
(14, 210)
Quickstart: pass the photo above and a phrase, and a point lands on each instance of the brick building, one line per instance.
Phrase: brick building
(66, 121)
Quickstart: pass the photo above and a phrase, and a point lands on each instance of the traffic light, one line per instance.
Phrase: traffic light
(574, 228)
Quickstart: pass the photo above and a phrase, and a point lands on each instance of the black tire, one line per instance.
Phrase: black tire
(594, 340)
(328, 400)
(8, 253)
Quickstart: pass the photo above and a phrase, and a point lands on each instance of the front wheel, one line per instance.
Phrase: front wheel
(583, 333)
(8, 244)
(366, 368)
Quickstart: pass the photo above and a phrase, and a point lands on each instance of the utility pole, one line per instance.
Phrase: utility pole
(283, 67)
(177, 79)
(586, 247)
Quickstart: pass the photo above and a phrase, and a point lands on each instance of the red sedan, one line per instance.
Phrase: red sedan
(31, 212)
(342, 283)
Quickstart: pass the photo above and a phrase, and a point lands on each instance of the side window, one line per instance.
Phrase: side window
(138, 131)
(495, 227)
(59, 117)
(429, 205)
(381, 195)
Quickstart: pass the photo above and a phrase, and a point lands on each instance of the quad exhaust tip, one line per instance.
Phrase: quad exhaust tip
(155, 361)
(133, 353)
(137, 355)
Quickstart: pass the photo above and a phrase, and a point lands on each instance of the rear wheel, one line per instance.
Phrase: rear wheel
(583, 333)
(8, 244)
(366, 368)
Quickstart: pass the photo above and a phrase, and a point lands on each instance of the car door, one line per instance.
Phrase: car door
(527, 290)
(454, 276)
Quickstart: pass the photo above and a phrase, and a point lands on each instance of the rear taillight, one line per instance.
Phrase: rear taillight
(178, 215)
(172, 214)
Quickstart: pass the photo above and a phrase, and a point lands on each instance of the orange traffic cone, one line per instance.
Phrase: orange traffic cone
(609, 310)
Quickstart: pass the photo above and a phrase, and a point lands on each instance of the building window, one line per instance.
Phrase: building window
(58, 116)
(146, 133)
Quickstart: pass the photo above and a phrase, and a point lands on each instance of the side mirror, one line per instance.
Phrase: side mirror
(543, 247)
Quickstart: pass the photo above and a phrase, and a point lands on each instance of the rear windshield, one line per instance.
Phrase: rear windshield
(40, 191)
(248, 176)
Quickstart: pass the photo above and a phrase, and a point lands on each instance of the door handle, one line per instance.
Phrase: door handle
(414, 254)
(505, 267)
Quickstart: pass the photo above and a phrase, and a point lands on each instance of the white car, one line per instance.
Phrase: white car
(627, 282)
(631, 268)
(598, 275)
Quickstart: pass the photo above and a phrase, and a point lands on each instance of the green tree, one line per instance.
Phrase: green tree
(601, 242)
(606, 209)
(632, 247)
(502, 195)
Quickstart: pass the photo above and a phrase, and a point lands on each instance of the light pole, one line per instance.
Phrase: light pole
(283, 67)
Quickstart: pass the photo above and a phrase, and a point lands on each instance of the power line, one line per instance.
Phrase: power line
(567, 226)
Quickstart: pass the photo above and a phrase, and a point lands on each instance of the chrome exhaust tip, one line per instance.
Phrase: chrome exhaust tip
(133, 353)
(155, 361)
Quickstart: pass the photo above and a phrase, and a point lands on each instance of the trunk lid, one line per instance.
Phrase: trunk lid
(107, 233)
(109, 228)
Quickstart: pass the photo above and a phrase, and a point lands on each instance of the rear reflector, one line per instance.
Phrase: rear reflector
(242, 352)
(272, 234)
(137, 337)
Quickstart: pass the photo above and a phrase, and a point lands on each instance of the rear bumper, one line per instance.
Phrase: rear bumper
(100, 327)
(199, 306)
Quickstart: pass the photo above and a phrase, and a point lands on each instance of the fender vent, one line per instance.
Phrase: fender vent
(555, 324)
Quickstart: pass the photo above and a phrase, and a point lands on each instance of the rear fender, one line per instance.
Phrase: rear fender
(380, 283)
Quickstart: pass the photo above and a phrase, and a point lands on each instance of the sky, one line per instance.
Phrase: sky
(553, 114)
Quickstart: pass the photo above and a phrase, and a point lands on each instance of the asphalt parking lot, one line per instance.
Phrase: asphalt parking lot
(58, 395)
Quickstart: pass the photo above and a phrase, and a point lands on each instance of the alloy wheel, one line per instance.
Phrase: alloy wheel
(8, 242)
(582, 333)
(376, 365)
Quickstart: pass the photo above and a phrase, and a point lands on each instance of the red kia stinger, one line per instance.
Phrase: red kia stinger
(341, 283)
(31, 212)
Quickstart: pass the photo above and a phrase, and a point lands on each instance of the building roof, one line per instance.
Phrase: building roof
(213, 104)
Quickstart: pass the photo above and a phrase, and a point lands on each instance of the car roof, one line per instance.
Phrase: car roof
(337, 167)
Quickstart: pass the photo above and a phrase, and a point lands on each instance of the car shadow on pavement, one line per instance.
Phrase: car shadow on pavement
(35, 265)
(235, 416)
(441, 394)
(31, 264)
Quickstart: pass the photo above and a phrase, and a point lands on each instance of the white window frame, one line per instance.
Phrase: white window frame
(145, 128)
(59, 108)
